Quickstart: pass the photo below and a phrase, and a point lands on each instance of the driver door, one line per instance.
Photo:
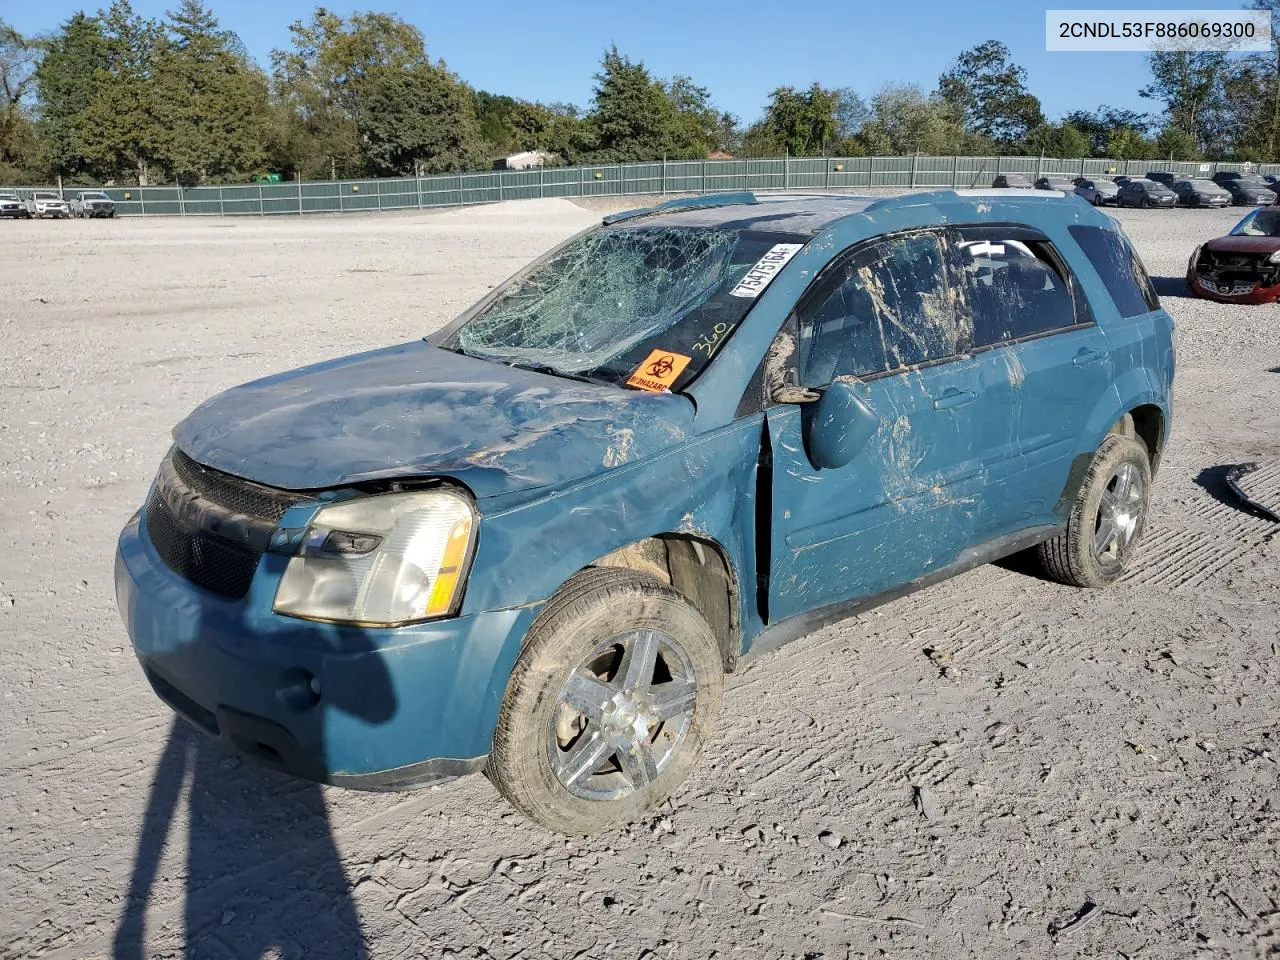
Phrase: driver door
(881, 327)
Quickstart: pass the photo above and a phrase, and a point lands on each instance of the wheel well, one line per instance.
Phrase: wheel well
(1144, 423)
(697, 567)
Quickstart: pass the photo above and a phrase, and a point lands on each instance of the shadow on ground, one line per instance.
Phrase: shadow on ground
(1172, 287)
(263, 874)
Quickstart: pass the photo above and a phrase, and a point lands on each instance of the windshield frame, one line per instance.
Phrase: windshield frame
(446, 337)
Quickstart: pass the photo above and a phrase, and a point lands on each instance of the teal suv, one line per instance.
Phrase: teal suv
(535, 542)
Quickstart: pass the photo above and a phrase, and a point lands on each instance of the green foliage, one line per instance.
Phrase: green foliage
(360, 95)
(210, 101)
(1190, 85)
(18, 58)
(799, 123)
(115, 96)
(1058, 140)
(632, 116)
(904, 120)
(121, 133)
(989, 91)
(66, 80)
(419, 120)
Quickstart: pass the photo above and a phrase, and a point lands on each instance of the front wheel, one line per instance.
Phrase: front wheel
(1107, 519)
(609, 704)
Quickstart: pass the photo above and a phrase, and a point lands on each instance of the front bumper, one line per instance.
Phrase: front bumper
(1258, 294)
(373, 709)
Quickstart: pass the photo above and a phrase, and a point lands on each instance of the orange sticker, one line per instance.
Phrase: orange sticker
(659, 371)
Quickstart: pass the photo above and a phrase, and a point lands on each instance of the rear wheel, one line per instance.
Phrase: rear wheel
(609, 704)
(1107, 519)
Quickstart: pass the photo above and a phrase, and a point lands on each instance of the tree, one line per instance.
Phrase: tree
(1058, 140)
(338, 86)
(120, 133)
(66, 81)
(903, 120)
(1190, 85)
(210, 100)
(419, 120)
(990, 92)
(631, 113)
(1101, 124)
(800, 123)
(18, 58)
(698, 127)
(1176, 144)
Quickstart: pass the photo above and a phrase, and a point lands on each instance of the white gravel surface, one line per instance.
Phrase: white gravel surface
(1118, 748)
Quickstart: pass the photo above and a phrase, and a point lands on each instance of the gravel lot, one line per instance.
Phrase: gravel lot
(1116, 748)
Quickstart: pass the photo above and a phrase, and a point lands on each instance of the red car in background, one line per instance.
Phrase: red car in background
(1243, 266)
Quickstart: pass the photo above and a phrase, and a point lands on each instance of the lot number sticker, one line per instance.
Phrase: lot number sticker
(659, 371)
(758, 277)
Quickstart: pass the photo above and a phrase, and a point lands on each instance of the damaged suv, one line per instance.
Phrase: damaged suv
(1243, 266)
(535, 542)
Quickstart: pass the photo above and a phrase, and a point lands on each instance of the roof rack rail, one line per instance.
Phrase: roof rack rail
(685, 203)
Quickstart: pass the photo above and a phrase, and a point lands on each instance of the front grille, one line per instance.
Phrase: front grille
(236, 495)
(185, 541)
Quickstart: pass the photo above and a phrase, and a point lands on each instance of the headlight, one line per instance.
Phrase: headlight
(1274, 258)
(381, 560)
(1195, 258)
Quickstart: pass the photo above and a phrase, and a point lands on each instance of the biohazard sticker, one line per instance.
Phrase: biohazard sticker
(758, 277)
(659, 371)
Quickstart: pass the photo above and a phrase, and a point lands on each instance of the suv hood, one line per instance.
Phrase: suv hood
(1243, 244)
(415, 410)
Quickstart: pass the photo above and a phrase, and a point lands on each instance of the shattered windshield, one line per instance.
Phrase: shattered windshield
(1264, 223)
(643, 305)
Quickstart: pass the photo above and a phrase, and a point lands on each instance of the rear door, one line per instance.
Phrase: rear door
(1043, 363)
(881, 318)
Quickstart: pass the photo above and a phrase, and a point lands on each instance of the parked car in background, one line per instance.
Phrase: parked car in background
(1146, 193)
(1201, 193)
(1121, 179)
(1162, 176)
(1098, 190)
(46, 203)
(92, 203)
(535, 542)
(1013, 181)
(1246, 190)
(1062, 183)
(11, 206)
(1243, 266)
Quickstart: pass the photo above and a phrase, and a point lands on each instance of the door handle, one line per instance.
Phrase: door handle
(951, 397)
(1086, 356)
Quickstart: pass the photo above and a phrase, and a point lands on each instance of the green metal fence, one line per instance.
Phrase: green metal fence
(657, 177)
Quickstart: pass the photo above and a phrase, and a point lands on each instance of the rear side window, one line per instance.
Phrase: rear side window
(884, 308)
(1011, 286)
(1121, 271)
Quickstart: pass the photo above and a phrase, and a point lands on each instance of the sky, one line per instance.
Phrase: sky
(739, 49)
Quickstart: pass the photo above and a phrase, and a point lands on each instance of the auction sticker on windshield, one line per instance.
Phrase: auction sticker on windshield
(659, 371)
(764, 270)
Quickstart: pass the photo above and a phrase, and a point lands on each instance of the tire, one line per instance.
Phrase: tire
(1073, 557)
(593, 783)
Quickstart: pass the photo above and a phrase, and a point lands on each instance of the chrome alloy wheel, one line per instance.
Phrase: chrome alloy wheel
(1119, 514)
(622, 715)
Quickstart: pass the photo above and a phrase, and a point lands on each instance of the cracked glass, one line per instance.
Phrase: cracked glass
(596, 308)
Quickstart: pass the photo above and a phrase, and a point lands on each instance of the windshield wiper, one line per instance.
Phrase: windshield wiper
(552, 371)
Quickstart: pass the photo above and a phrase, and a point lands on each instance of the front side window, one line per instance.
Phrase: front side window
(602, 306)
(1012, 287)
(1119, 268)
(884, 308)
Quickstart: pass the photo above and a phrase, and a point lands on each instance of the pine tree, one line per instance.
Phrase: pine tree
(633, 117)
(66, 80)
(209, 99)
(121, 133)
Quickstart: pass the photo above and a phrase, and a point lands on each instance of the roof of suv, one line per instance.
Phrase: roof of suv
(807, 213)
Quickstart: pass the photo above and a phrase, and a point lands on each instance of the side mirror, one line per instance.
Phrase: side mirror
(838, 426)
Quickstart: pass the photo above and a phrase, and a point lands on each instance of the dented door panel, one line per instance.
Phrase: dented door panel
(905, 505)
